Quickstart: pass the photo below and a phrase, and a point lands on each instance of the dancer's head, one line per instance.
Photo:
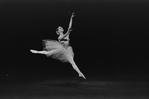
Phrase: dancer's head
(59, 30)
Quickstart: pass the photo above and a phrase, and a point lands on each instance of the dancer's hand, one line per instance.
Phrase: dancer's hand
(73, 14)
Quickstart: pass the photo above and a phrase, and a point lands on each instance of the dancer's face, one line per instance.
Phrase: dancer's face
(60, 30)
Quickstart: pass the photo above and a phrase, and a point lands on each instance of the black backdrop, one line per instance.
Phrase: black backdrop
(109, 38)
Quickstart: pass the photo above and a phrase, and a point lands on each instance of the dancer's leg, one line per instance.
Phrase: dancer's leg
(70, 59)
(48, 53)
(39, 52)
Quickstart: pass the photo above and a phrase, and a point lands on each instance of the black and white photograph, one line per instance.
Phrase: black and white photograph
(74, 49)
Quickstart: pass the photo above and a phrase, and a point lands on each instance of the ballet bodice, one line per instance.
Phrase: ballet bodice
(64, 40)
(64, 43)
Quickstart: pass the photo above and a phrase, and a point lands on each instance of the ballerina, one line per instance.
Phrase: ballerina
(60, 49)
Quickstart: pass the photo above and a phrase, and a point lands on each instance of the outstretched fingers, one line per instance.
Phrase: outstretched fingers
(73, 14)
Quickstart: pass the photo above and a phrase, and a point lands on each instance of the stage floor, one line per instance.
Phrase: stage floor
(76, 89)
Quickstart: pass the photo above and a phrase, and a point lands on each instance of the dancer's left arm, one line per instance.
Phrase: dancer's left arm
(69, 28)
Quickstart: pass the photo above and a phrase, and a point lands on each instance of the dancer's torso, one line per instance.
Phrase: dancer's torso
(64, 42)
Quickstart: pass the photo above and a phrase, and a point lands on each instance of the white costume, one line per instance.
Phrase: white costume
(60, 49)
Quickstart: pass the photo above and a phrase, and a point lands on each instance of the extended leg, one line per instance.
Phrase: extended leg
(75, 67)
(48, 53)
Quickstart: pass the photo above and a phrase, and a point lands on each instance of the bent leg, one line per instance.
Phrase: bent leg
(70, 59)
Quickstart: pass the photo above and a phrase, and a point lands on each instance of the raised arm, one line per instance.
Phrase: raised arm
(70, 25)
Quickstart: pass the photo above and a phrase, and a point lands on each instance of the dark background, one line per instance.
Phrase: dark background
(109, 39)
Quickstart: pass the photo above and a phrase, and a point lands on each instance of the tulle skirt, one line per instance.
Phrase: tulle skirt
(58, 51)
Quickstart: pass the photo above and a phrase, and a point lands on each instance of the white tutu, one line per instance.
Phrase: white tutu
(58, 51)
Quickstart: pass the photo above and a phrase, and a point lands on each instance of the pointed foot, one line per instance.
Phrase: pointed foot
(33, 51)
(81, 75)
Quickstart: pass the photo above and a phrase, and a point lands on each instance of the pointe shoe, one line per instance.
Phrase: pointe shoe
(33, 51)
(81, 75)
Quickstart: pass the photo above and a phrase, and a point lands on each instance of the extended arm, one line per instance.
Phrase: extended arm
(69, 28)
